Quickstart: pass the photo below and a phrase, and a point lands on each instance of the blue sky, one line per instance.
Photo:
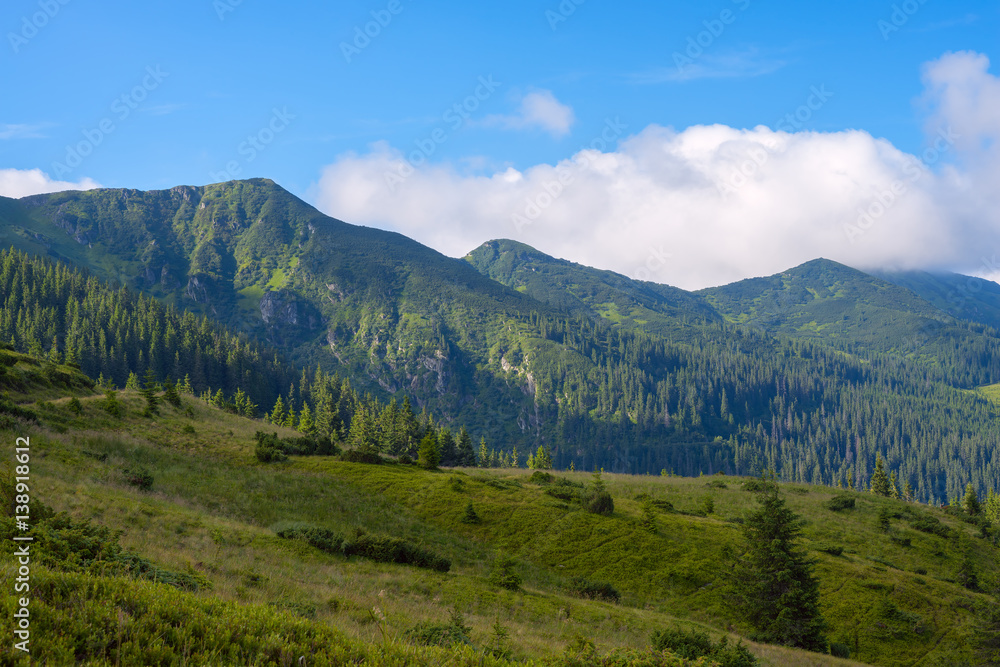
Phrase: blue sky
(163, 94)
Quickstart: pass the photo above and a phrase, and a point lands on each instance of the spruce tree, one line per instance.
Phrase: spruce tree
(970, 503)
(772, 581)
(466, 454)
(429, 454)
(149, 389)
(880, 484)
(446, 442)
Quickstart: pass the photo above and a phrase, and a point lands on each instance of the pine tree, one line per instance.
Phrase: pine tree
(278, 413)
(466, 454)
(893, 489)
(772, 582)
(446, 442)
(306, 424)
(485, 456)
(470, 514)
(908, 492)
(363, 436)
(149, 389)
(429, 454)
(880, 480)
(970, 503)
(170, 394)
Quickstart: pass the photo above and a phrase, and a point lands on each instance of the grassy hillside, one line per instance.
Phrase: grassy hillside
(890, 592)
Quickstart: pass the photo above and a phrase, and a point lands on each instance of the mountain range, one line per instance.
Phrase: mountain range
(812, 372)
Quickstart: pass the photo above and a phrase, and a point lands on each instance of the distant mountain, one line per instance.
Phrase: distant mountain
(964, 297)
(576, 288)
(810, 372)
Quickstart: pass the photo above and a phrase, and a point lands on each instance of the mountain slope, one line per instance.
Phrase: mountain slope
(620, 375)
(964, 297)
(631, 304)
(826, 301)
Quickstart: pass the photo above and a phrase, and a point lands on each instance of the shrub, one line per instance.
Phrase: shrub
(111, 404)
(839, 503)
(754, 485)
(323, 539)
(600, 502)
(563, 493)
(138, 477)
(470, 515)
(455, 631)
(8, 407)
(716, 484)
(456, 483)
(838, 650)
(593, 590)
(267, 453)
(502, 573)
(539, 477)
(355, 456)
(406, 460)
(926, 523)
(693, 645)
(830, 549)
(75, 406)
(385, 549)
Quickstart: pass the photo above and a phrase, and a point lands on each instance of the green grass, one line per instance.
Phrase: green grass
(212, 509)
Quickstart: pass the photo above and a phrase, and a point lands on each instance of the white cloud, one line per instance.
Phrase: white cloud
(541, 110)
(22, 131)
(18, 183)
(749, 62)
(712, 204)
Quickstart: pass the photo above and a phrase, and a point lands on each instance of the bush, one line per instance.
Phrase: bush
(385, 549)
(323, 539)
(8, 407)
(266, 453)
(926, 523)
(563, 493)
(470, 515)
(839, 503)
(716, 484)
(539, 477)
(139, 478)
(502, 573)
(593, 590)
(285, 447)
(754, 485)
(830, 549)
(355, 456)
(599, 502)
(455, 631)
(838, 650)
(693, 645)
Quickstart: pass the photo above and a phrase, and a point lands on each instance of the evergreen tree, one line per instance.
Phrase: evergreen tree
(132, 382)
(772, 582)
(278, 413)
(363, 436)
(880, 484)
(908, 492)
(466, 454)
(485, 457)
(170, 394)
(446, 443)
(893, 489)
(429, 455)
(970, 503)
(306, 424)
(149, 389)
(470, 514)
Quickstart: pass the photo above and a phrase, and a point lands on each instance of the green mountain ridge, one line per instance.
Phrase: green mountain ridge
(528, 350)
